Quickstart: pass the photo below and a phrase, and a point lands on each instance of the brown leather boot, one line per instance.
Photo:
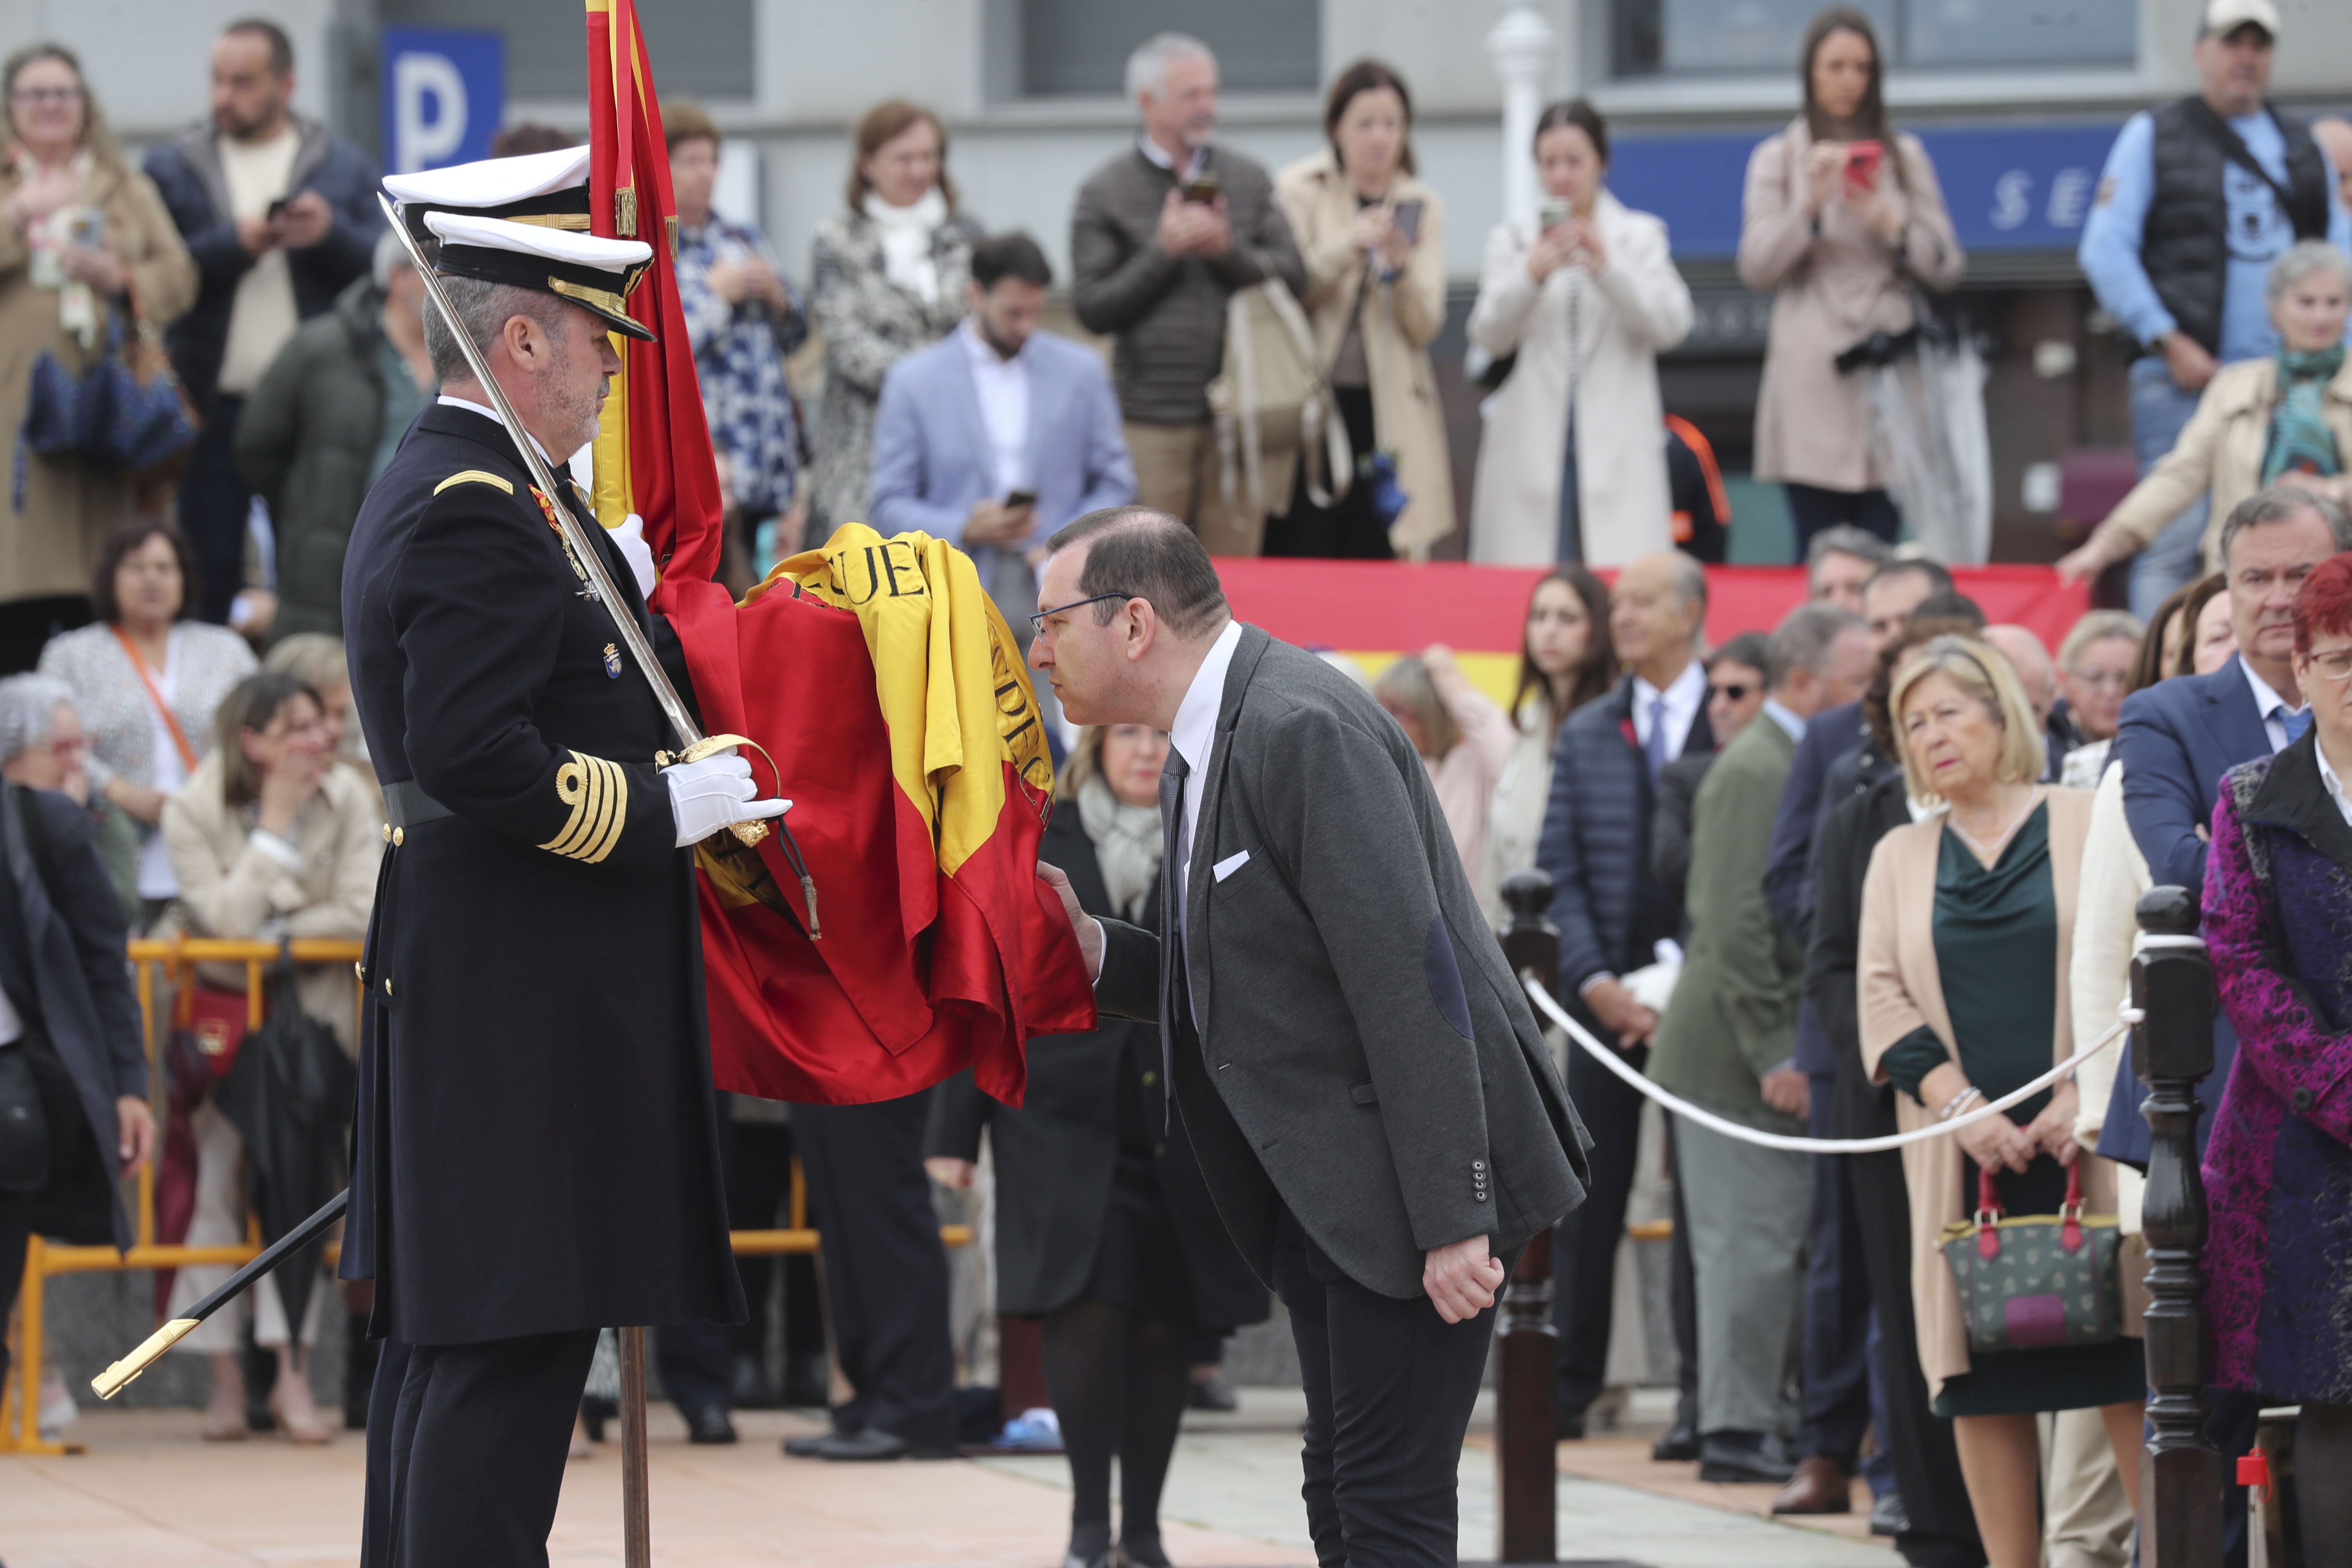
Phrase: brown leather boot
(1820, 1486)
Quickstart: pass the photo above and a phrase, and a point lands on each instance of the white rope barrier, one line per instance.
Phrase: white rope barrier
(1616, 1063)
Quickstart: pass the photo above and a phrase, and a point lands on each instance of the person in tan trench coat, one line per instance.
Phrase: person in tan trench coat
(1375, 309)
(1842, 247)
(54, 296)
(1949, 901)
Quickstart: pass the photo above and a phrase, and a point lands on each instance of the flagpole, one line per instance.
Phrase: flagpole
(636, 1508)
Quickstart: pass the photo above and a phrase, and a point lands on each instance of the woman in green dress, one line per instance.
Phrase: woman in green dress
(1967, 918)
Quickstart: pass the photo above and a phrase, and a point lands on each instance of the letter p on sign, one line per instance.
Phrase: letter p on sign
(443, 93)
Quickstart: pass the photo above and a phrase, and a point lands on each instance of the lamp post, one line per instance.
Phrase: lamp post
(1521, 47)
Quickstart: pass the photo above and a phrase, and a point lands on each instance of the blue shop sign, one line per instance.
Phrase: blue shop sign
(2009, 188)
(444, 94)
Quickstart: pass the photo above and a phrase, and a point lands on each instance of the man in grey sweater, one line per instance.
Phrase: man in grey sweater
(1161, 238)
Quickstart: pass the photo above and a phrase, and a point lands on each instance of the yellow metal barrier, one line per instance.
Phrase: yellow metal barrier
(20, 1429)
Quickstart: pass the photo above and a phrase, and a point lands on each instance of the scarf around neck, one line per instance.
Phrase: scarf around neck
(2300, 440)
(906, 235)
(1128, 846)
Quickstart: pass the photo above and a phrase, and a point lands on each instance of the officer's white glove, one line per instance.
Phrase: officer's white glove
(715, 793)
(631, 537)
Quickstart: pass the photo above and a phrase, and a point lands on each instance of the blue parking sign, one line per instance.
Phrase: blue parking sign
(443, 93)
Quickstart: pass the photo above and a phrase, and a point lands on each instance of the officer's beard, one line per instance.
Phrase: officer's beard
(575, 415)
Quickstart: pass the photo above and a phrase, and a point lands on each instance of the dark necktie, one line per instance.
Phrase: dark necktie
(1173, 990)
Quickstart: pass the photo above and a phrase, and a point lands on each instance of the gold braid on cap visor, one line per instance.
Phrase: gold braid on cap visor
(598, 794)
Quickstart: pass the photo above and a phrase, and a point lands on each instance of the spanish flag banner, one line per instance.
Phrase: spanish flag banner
(890, 695)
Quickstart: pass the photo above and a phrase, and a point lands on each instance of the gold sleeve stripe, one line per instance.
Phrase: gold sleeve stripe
(598, 794)
(475, 476)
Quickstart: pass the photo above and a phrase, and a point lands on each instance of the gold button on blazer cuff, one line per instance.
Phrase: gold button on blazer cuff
(598, 794)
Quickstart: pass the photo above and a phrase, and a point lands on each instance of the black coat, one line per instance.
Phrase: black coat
(1056, 1155)
(535, 1147)
(1849, 833)
(1670, 821)
(62, 966)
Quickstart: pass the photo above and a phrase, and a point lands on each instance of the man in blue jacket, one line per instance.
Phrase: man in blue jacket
(280, 215)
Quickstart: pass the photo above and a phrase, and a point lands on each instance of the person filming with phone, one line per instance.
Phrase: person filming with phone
(1575, 309)
(1373, 239)
(1845, 225)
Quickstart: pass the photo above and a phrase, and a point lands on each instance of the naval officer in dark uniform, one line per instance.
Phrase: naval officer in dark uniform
(536, 1155)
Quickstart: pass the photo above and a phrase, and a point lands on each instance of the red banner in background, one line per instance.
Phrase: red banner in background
(1378, 606)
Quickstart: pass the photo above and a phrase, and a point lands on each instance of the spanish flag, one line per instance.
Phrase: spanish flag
(892, 698)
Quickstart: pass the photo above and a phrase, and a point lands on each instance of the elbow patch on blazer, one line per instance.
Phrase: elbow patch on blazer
(1445, 979)
(598, 794)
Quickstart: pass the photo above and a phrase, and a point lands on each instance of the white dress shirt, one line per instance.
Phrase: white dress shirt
(1683, 698)
(2272, 706)
(1003, 388)
(2327, 776)
(1158, 154)
(1194, 736)
(1791, 724)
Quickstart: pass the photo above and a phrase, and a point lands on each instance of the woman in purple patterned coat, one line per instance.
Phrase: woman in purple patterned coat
(2278, 921)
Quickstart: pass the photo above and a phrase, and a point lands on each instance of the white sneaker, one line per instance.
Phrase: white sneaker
(58, 1410)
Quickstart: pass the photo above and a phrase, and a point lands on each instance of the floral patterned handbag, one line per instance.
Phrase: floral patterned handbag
(2038, 1280)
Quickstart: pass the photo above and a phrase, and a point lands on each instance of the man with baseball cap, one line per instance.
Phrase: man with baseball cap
(2199, 197)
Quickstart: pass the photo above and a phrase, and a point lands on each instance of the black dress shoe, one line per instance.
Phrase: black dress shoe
(748, 1388)
(812, 1447)
(1888, 1516)
(1743, 1456)
(1211, 1393)
(1142, 1551)
(1679, 1445)
(869, 1446)
(709, 1425)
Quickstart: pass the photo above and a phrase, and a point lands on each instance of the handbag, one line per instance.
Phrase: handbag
(141, 420)
(23, 1124)
(1270, 402)
(2038, 1280)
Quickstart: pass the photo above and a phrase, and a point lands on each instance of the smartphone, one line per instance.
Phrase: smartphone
(1862, 161)
(1406, 221)
(1016, 500)
(1551, 214)
(276, 207)
(1202, 187)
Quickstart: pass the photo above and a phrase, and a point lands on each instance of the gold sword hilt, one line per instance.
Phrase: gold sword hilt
(749, 833)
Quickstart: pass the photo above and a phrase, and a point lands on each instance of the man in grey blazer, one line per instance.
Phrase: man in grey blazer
(1376, 1113)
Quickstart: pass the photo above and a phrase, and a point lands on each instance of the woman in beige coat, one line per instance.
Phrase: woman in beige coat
(270, 839)
(1841, 221)
(2232, 446)
(81, 232)
(1587, 298)
(1965, 973)
(1373, 238)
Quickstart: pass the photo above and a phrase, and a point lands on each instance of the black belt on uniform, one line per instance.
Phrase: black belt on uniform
(405, 805)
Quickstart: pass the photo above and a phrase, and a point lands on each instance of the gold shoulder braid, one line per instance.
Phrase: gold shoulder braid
(598, 794)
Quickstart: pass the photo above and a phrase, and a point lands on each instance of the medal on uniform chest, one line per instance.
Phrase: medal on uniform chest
(547, 506)
(612, 660)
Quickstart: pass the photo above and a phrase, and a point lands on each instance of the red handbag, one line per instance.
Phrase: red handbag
(208, 1025)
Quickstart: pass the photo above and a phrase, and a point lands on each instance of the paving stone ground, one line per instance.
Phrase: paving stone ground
(149, 1494)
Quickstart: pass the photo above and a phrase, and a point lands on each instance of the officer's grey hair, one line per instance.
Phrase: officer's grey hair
(484, 310)
(1147, 68)
(1804, 641)
(1845, 538)
(28, 713)
(391, 256)
(2302, 260)
(2283, 503)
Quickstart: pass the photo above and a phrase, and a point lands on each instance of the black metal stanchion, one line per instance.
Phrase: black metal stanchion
(1526, 1453)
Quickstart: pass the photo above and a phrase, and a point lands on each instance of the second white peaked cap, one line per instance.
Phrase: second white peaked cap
(492, 182)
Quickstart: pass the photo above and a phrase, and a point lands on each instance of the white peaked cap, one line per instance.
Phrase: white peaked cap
(531, 239)
(493, 182)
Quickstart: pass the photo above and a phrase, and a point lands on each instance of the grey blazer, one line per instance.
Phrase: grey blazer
(1364, 1055)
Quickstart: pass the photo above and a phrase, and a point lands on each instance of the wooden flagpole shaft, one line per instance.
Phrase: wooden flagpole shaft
(636, 1513)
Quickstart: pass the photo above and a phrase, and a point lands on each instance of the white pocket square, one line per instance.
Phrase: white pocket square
(1229, 865)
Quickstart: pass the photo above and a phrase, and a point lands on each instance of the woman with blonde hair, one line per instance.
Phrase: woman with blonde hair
(1967, 923)
(84, 239)
(888, 278)
(1462, 736)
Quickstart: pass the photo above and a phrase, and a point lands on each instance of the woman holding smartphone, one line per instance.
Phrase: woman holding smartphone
(1843, 223)
(1575, 308)
(1373, 237)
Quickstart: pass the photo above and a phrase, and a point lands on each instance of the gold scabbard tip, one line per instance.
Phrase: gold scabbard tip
(124, 1373)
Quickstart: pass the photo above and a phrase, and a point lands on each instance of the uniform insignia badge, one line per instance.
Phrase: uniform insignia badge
(613, 661)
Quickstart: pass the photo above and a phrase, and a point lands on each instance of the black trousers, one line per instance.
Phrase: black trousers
(1682, 1298)
(759, 1179)
(886, 1274)
(1813, 509)
(1837, 1304)
(1927, 1465)
(1390, 1385)
(1588, 1238)
(15, 1230)
(214, 506)
(466, 1449)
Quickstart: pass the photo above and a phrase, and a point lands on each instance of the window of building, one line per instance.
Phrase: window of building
(1675, 37)
(700, 48)
(1070, 48)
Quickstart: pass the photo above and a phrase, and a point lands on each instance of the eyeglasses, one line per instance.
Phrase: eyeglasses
(47, 95)
(2334, 665)
(1735, 693)
(1038, 620)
